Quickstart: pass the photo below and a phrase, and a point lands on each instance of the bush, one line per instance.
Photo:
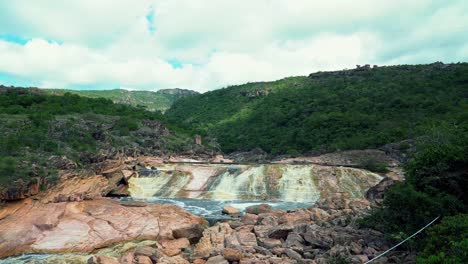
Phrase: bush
(446, 242)
(372, 164)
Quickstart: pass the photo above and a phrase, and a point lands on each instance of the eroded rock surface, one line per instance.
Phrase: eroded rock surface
(32, 226)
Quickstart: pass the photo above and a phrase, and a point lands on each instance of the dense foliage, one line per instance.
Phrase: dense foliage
(330, 111)
(37, 128)
(436, 180)
(151, 101)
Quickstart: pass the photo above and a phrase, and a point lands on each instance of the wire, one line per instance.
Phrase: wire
(388, 250)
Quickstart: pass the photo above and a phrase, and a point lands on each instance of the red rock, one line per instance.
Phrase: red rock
(302, 216)
(85, 226)
(127, 258)
(100, 259)
(171, 251)
(173, 260)
(176, 243)
(258, 209)
(143, 260)
(249, 219)
(232, 254)
(217, 260)
(230, 210)
(199, 261)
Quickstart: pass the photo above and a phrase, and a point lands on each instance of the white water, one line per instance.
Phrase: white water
(290, 183)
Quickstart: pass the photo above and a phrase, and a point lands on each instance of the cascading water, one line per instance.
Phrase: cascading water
(273, 182)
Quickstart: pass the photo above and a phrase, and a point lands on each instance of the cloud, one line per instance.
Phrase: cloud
(204, 45)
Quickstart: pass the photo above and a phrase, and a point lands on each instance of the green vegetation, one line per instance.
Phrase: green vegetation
(151, 101)
(436, 180)
(329, 111)
(38, 129)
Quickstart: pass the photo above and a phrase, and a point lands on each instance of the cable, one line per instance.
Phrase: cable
(388, 250)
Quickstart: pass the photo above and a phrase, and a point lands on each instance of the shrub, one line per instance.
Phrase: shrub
(372, 164)
(446, 242)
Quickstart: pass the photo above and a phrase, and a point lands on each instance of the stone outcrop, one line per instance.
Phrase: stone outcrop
(32, 226)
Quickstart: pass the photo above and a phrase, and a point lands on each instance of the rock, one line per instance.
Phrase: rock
(376, 193)
(143, 260)
(249, 219)
(360, 259)
(360, 205)
(293, 254)
(230, 210)
(302, 216)
(193, 232)
(235, 224)
(127, 258)
(262, 250)
(335, 201)
(269, 242)
(294, 240)
(72, 187)
(370, 252)
(231, 254)
(258, 209)
(100, 259)
(171, 251)
(241, 239)
(317, 238)
(356, 248)
(278, 251)
(85, 226)
(269, 220)
(176, 243)
(318, 215)
(145, 251)
(199, 261)
(281, 231)
(173, 260)
(217, 260)
(213, 240)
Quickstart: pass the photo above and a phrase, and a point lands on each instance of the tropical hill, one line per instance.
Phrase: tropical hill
(42, 133)
(360, 108)
(151, 101)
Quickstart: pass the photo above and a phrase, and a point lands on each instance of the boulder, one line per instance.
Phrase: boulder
(281, 231)
(336, 201)
(231, 254)
(241, 239)
(84, 226)
(249, 219)
(179, 243)
(143, 260)
(230, 210)
(100, 259)
(299, 216)
(293, 254)
(294, 240)
(258, 209)
(269, 242)
(217, 260)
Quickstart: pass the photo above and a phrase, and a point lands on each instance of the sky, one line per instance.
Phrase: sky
(205, 44)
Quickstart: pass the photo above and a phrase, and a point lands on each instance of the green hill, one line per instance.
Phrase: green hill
(327, 111)
(43, 133)
(151, 101)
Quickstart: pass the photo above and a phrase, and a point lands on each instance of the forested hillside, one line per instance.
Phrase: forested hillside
(151, 101)
(42, 133)
(327, 111)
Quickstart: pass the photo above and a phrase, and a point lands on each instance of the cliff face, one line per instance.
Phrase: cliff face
(178, 91)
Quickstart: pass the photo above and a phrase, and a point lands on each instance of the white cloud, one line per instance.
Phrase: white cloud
(221, 42)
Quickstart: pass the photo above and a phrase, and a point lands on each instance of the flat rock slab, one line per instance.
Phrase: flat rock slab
(34, 227)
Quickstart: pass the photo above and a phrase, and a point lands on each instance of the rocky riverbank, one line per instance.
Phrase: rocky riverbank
(76, 216)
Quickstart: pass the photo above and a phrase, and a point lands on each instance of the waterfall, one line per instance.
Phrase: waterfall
(281, 182)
